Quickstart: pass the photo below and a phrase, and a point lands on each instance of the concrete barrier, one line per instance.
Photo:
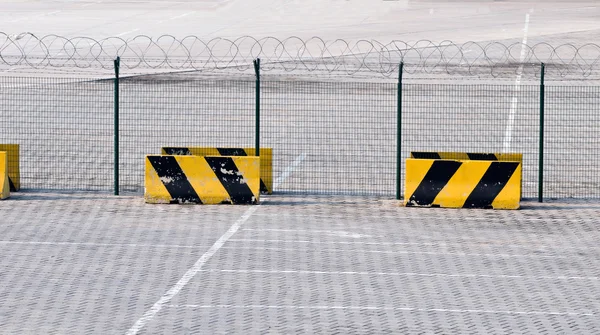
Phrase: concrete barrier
(464, 156)
(462, 184)
(4, 185)
(14, 173)
(202, 179)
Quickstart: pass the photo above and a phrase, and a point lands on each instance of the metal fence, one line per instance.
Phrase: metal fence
(327, 137)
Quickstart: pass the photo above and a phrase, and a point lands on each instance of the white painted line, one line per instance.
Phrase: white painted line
(379, 308)
(338, 233)
(139, 324)
(197, 267)
(35, 16)
(92, 244)
(407, 274)
(182, 15)
(420, 218)
(408, 252)
(331, 242)
(462, 243)
(289, 170)
(127, 32)
(515, 98)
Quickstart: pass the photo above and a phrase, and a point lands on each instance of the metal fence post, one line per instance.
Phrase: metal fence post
(257, 116)
(541, 150)
(117, 64)
(399, 135)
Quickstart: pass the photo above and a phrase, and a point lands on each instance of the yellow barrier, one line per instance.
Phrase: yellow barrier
(462, 184)
(4, 188)
(202, 179)
(266, 159)
(465, 156)
(14, 175)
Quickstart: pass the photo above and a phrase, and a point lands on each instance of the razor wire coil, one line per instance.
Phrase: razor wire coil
(295, 54)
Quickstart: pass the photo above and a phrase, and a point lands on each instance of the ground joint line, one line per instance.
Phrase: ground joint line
(197, 267)
(515, 98)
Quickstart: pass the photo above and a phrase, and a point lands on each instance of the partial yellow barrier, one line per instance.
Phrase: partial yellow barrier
(466, 156)
(4, 188)
(14, 174)
(462, 184)
(266, 159)
(202, 179)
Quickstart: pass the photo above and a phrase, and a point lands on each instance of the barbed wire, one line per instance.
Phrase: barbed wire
(295, 54)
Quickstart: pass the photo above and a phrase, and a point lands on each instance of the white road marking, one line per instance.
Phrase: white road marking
(381, 308)
(420, 218)
(128, 32)
(412, 252)
(92, 244)
(289, 170)
(462, 243)
(406, 274)
(34, 17)
(322, 232)
(328, 242)
(197, 267)
(515, 98)
(139, 324)
(182, 15)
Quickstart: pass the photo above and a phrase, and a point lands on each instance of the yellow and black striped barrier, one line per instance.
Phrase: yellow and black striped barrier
(266, 159)
(14, 174)
(4, 186)
(465, 156)
(462, 184)
(202, 179)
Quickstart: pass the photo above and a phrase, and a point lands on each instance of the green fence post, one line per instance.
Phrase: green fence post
(257, 115)
(541, 150)
(399, 135)
(117, 64)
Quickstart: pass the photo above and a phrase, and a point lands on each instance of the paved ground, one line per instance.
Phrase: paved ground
(74, 264)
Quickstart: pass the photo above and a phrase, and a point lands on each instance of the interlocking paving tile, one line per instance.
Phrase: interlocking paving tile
(325, 264)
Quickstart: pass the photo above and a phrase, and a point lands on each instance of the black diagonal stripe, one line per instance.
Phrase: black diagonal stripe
(232, 152)
(174, 179)
(177, 151)
(482, 157)
(263, 187)
(11, 185)
(434, 181)
(425, 155)
(491, 184)
(231, 179)
(241, 152)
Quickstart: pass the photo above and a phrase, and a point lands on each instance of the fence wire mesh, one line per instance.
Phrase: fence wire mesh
(474, 118)
(335, 137)
(64, 129)
(162, 113)
(327, 137)
(572, 141)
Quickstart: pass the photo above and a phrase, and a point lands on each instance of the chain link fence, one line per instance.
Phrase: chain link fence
(327, 137)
